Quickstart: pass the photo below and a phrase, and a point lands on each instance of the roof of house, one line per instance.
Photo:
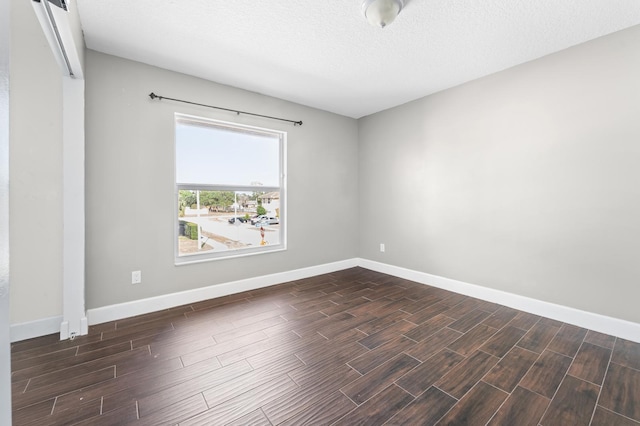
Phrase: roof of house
(272, 195)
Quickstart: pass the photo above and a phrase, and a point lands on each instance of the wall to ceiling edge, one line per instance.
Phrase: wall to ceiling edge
(525, 181)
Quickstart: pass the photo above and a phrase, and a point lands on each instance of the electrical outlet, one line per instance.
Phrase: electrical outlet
(136, 277)
(381, 247)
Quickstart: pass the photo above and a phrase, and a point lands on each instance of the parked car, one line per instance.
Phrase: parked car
(256, 219)
(267, 220)
(240, 219)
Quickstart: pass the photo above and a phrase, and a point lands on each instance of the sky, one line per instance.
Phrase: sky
(212, 155)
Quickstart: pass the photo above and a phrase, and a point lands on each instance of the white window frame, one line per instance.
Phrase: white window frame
(213, 255)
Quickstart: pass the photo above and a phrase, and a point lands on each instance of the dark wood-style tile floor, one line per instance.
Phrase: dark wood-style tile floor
(347, 348)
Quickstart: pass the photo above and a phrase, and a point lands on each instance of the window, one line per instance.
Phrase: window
(223, 172)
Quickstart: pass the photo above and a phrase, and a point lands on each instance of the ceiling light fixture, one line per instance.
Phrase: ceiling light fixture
(381, 13)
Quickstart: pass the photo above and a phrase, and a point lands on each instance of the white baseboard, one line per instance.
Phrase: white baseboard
(37, 328)
(65, 329)
(592, 321)
(144, 306)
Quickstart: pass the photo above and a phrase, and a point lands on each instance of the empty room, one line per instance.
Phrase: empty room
(378, 212)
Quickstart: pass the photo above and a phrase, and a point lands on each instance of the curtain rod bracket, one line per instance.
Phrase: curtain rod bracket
(295, 123)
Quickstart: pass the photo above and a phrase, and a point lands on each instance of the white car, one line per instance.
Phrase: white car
(267, 220)
(257, 219)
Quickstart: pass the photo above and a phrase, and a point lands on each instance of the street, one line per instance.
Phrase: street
(242, 232)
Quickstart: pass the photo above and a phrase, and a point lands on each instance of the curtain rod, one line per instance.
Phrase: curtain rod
(295, 123)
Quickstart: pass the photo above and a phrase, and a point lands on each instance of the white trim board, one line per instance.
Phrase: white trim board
(37, 328)
(592, 321)
(153, 304)
(596, 322)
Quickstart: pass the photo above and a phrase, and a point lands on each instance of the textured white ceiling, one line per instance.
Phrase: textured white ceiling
(324, 54)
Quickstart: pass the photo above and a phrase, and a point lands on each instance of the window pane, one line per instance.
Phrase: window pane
(226, 221)
(208, 154)
(230, 183)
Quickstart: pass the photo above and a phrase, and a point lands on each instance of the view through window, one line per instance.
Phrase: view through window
(230, 189)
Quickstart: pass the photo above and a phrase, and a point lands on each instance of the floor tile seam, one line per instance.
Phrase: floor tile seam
(455, 352)
(604, 380)
(380, 365)
(26, 407)
(254, 323)
(481, 379)
(184, 380)
(487, 339)
(374, 395)
(555, 393)
(503, 402)
(598, 345)
(548, 343)
(527, 372)
(419, 362)
(202, 391)
(46, 354)
(267, 417)
(218, 314)
(238, 327)
(395, 382)
(132, 340)
(453, 320)
(55, 400)
(361, 331)
(335, 421)
(558, 353)
(530, 350)
(163, 345)
(623, 366)
(53, 412)
(585, 380)
(245, 347)
(524, 349)
(84, 402)
(57, 369)
(239, 335)
(431, 335)
(522, 377)
(451, 396)
(487, 311)
(488, 384)
(525, 329)
(169, 319)
(577, 350)
(51, 385)
(118, 390)
(595, 406)
(616, 413)
(360, 375)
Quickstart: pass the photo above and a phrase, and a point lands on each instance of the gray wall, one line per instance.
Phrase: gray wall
(35, 171)
(130, 181)
(524, 181)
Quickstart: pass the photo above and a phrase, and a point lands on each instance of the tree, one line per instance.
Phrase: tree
(185, 198)
(217, 199)
(261, 210)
